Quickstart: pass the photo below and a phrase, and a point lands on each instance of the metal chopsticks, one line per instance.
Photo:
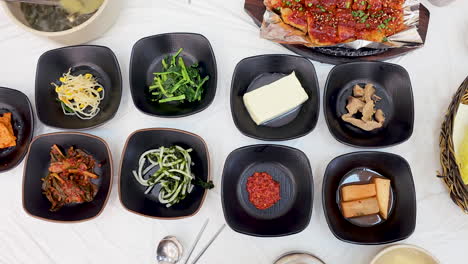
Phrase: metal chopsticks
(209, 243)
(196, 240)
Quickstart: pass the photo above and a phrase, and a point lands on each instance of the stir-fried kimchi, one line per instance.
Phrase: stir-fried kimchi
(329, 22)
(69, 178)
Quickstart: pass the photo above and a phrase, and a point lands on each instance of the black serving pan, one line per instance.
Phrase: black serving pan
(336, 55)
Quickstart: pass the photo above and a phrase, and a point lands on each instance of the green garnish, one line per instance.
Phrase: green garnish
(66, 108)
(385, 39)
(363, 2)
(364, 18)
(358, 13)
(310, 4)
(176, 81)
(205, 185)
(321, 8)
(381, 26)
(348, 4)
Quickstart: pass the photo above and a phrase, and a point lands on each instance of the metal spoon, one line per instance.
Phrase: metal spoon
(169, 250)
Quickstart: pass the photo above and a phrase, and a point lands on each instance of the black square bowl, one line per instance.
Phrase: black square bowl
(22, 117)
(97, 60)
(36, 167)
(402, 220)
(257, 71)
(131, 192)
(288, 166)
(392, 84)
(147, 55)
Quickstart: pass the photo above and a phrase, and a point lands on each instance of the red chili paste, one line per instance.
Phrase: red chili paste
(263, 191)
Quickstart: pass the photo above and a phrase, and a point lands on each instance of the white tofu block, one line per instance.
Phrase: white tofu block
(275, 99)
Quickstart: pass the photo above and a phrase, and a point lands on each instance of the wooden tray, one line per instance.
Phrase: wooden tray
(256, 9)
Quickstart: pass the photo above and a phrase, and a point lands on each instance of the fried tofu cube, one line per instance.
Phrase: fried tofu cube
(361, 207)
(357, 192)
(320, 35)
(372, 35)
(7, 136)
(346, 33)
(6, 120)
(383, 195)
(294, 18)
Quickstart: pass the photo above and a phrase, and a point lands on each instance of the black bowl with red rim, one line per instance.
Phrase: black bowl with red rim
(36, 167)
(288, 167)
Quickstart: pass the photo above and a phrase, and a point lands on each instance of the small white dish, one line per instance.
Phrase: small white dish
(298, 257)
(403, 254)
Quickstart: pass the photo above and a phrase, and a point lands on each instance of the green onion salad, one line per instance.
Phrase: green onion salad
(173, 173)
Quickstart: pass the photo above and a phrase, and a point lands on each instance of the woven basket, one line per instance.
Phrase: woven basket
(450, 172)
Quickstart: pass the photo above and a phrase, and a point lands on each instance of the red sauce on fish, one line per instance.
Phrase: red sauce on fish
(335, 21)
(263, 191)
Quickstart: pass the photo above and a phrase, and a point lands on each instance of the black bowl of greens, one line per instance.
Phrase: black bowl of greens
(173, 74)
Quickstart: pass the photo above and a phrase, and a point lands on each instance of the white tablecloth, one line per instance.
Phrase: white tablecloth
(118, 236)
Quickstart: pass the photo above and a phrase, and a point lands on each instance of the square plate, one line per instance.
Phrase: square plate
(402, 220)
(22, 115)
(97, 60)
(290, 168)
(147, 55)
(392, 84)
(131, 192)
(257, 71)
(36, 167)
